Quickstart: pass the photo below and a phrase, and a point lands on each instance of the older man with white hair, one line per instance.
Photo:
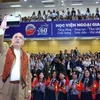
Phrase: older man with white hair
(15, 76)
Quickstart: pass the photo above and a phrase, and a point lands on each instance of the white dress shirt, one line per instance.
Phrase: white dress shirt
(68, 65)
(1, 31)
(15, 72)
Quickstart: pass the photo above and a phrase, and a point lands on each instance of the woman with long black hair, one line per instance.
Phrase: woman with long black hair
(62, 87)
(39, 88)
(98, 90)
(88, 83)
(50, 89)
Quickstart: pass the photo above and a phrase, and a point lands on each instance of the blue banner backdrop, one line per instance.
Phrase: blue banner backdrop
(75, 28)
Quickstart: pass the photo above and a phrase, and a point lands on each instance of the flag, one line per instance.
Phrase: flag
(93, 89)
(45, 82)
(56, 84)
(48, 81)
(79, 86)
(35, 81)
(67, 81)
(79, 96)
(63, 89)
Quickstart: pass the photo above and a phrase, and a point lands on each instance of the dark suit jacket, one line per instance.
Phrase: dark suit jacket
(75, 52)
(37, 72)
(71, 64)
(61, 68)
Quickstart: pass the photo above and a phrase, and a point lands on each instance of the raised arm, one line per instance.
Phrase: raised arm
(3, 27)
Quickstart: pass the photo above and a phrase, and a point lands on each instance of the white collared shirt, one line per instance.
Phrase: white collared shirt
(15, 72)
(68, 65)
(1, 31)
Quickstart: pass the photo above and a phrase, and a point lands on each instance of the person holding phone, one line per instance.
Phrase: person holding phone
(15, 76)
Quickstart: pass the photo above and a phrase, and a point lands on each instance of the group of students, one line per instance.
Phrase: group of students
(63, 88)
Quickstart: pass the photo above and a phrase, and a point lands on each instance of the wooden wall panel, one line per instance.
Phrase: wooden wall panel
(55, 46)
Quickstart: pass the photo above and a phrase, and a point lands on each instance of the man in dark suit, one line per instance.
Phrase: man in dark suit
(76, 51)
(60, 66)
(69, 66)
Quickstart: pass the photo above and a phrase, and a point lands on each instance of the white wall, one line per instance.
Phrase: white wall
(29, 11)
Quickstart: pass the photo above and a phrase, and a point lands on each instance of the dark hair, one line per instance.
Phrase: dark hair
(90, 82)
(41, 72)
(95, 70)
(98, 72)
(39, 13)
(88, 10)
(62, 72)
(61, 59)
(33, 13)
(76, 72)
(44, 13)
(53, 72)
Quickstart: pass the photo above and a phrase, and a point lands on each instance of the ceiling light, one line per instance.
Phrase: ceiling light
(15, 5)
(50, 38)
(62, 1)
(96, 2)
(75, 38)
(46, 1)
(87, 38)
(50, 6)
(63, 38)
(25, 0)
(30, 6)
(97, 38)
(77, 4)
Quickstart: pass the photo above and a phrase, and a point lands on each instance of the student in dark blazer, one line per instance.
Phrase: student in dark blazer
(62, 87)
(39, 88)
(98, 90)
(69, 64)
(50, 89)
(73, 92)
(60, 67)
(76, 51)
(35, 71)
(88, 83)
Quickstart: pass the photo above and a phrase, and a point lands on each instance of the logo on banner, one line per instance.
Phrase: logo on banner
(30, 29)
(43, 29)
